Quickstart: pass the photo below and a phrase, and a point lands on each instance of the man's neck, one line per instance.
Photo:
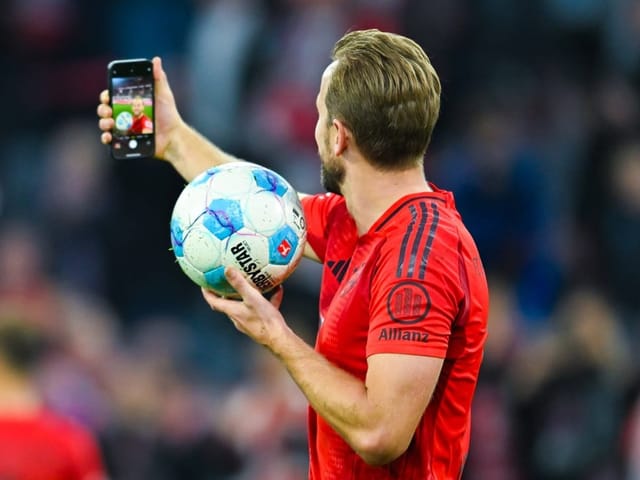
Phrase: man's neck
(369, 192)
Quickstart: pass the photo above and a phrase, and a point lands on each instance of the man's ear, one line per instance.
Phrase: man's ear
(342, 137)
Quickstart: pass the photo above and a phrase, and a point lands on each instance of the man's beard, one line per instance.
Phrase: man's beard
(332, 176)
(331, 170)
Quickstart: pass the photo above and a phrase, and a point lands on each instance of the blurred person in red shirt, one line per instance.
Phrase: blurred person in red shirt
(35, 443)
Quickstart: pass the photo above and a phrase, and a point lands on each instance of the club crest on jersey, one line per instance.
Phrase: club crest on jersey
(408, 302)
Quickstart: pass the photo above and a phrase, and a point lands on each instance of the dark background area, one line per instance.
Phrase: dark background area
(538, 139)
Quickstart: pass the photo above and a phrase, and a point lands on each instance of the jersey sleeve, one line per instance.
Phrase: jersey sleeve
(85, 453)
(413, 309)
(317, 212)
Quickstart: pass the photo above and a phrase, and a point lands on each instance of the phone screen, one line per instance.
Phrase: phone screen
(132, 101)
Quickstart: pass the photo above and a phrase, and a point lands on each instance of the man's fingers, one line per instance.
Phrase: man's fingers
(240, 283)
(209, 296)
(106, 124)
(104, 97)
(104, 111)
(158, 72)
(218, 303)
(105, 138)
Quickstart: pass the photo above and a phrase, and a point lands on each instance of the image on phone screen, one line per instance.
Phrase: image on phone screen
(132, 103)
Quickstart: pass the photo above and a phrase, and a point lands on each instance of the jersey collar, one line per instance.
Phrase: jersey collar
(437, 194)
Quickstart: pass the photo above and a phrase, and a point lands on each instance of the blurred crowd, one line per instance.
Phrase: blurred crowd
(538, 138)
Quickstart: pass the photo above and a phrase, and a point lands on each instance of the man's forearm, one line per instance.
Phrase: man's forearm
(337, 396)
(191, 154)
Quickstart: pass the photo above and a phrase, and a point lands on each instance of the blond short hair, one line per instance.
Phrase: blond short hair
(385, 90)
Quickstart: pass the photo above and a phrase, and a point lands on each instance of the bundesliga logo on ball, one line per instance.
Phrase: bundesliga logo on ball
(124, 121)
(241, 215)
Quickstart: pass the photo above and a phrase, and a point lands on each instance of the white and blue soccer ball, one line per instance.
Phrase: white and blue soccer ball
(242, 215)
(124, 120)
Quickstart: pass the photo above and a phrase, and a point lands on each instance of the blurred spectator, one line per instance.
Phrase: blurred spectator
(616, 122)
(496, 176)
(622, 36)
(225, 47)
(75, 199)
(25, 286)
(570, 386)
(166, 424)
(631, 443)
(620, 233)
(265, 416)
(493, 453)
(35, 442)
(281, 115)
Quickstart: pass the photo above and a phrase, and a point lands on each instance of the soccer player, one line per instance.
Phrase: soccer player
(34, 442)
(141, 123)
(404, 299)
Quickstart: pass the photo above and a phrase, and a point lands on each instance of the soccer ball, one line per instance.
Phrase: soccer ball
(242, 215)
(124, 120)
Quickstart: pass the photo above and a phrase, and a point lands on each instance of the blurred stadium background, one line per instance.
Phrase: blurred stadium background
(538, 139)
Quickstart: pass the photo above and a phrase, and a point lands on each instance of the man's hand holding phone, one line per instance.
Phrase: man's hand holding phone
(176, 142)
(138, 111)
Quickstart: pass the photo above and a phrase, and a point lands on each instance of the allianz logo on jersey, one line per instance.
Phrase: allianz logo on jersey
(404, 335)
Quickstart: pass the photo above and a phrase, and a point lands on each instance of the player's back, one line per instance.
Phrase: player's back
(43, 446)
(414, 285)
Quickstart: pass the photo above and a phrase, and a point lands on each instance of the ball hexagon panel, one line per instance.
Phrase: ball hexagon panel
(263, 212)
(176, 238)
(282, 246)
(246, 251)
(201, 249)
(217, 282)
(269, 181)
(203, 178)
(190, 205)
(295, 218)
(231, 181)
(196, 276)
(280, 271)
(223, 217)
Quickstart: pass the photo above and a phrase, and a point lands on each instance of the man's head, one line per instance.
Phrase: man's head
(137, 106)
(383, 88)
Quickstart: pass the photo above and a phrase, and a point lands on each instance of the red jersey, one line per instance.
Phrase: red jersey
(413, 284)
(46, 447)
(140, 124)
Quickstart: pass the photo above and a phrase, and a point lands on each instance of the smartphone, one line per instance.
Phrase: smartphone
(132, 101)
